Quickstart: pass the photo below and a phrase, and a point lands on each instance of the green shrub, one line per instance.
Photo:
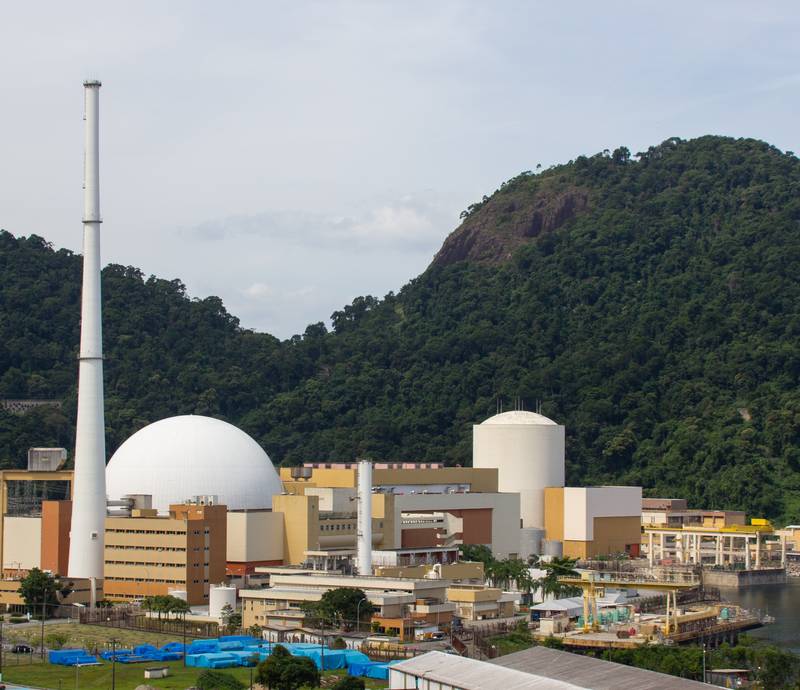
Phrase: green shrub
(217, 680)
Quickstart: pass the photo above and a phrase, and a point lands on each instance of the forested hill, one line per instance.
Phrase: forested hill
(651, 303)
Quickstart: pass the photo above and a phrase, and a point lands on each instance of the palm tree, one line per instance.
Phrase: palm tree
(550, 583)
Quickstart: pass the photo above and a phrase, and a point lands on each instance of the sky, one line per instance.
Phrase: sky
(291, 156)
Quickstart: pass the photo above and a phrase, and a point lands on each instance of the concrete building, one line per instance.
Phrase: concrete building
(594, 521)
(147, 555)
(402, 604)
(21, 504)
(674, 512)
(527, 449)
(411, 508)
(477, 602)
(255, 538)
(81, 593)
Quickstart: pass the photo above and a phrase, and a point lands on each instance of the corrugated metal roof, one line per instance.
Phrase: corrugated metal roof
(471, 674)
(592, 673)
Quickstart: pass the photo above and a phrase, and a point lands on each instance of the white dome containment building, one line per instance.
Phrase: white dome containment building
(178, 458)
(528, 451)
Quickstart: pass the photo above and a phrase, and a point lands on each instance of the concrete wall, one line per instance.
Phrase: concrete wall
(22, 542)
(583, 504)
(56, 522)
(255, 536)
(335, 500)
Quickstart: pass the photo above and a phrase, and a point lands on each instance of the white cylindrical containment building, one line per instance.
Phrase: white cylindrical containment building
(364, 519)
(528, 451)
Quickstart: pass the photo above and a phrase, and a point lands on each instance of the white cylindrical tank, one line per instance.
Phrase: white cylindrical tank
(528, 451)
(220, 596)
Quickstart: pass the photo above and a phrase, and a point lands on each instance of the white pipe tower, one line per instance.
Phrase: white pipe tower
(89, 489)
(364, 520)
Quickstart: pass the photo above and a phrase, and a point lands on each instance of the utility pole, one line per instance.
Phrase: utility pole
(113, 663)
(184, 639)
(1, 650)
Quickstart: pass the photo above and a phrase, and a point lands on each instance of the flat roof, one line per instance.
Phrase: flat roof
(587, 672)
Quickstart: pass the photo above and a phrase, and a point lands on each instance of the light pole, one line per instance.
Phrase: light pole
(358, 614)
(41, 653)
(113, 663)
(1, 649)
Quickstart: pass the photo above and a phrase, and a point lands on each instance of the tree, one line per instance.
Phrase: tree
(231, 619)
(39, 588)
(217, 680)
(56, 640)
(282, 671)
(340, 607)
(556, 568)
(476, 552)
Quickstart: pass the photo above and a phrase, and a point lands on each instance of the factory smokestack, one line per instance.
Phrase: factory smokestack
(364, 520)
(89, 483)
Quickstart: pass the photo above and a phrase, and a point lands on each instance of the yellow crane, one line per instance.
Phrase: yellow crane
(593, 584)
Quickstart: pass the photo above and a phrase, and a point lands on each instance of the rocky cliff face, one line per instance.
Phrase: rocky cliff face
(493, 232)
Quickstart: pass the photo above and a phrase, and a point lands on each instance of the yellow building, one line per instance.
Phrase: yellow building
(147, 555)
(412, 507)
(594, 521)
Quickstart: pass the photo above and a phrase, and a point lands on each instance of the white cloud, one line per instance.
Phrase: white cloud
(408, 223)
(258, 291)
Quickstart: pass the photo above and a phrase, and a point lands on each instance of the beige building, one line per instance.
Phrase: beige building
(412, 507)
(148, 555)
(594, 521)
(401, 603)
(81, 593)
(674, 512)
(254, 538)
(475, 602)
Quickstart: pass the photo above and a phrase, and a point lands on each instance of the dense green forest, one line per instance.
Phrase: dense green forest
(650, 302)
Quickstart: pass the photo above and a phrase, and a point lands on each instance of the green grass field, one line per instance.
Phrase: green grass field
(86, 636)
(128, 676)
(24, 670)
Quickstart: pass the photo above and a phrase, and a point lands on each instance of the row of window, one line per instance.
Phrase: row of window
(147, 564)
(111, 530)
(342, 526)
(127, 547)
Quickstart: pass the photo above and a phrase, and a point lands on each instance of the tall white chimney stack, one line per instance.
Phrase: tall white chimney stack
(89, 490)
(364, 519)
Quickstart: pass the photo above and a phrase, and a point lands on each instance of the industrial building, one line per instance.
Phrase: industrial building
(402, 604)
(535, 668)
(674, 512)
(594, 521)
(412, 507)
(182, 553)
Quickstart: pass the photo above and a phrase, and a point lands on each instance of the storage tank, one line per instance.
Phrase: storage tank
(530, 542)
(528, 451)
(553, 547)
(219, 597)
